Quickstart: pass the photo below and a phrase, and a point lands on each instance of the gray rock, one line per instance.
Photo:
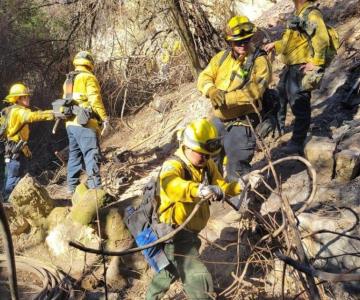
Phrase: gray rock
(319, 152)
(347, 165)
(351, 143)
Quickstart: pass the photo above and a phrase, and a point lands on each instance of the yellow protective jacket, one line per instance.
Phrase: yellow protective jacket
(86, 92)
(178, 196)
(18, 119)
(239, 102)
(294, 47)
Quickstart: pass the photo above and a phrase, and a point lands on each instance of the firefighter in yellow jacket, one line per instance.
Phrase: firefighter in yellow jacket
(303, 49)
(235, 81)
(83, 134)
(184, 180)
(18, 118)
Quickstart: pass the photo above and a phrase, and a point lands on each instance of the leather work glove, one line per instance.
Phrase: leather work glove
(217, 97)
(106, 126)
(212, 192)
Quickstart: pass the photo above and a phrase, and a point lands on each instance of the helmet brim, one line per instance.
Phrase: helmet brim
(232, 38)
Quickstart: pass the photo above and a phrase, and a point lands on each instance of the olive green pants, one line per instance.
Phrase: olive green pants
(183, 255)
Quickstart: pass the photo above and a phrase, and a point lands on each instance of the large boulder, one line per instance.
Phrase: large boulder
(31, 201)
(319, 151)
(352, 143)
(330, 248)
(86, 204)
(116, 232)
(347, 165)
(57, 216)
(67, 258)
(296, 189)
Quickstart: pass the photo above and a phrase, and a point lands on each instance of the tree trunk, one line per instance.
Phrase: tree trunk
(185, 35)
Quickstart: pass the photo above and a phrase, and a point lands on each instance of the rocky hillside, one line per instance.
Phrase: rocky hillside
(239, 250)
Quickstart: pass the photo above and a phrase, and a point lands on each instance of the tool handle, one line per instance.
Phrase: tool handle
(57, 122)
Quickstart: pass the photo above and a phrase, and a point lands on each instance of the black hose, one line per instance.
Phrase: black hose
(9, 252)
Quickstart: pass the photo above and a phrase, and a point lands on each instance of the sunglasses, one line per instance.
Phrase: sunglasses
(241, 42)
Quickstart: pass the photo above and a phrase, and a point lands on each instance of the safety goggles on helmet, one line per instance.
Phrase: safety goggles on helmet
(211, 146)
(241, 31)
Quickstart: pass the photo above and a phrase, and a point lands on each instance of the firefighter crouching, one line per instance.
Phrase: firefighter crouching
(17, 132)
(184, 180)
(83, 128)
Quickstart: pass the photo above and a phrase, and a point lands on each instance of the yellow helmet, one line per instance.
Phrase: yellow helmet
(239, 28)
(201, 136)
(84, 58)
(17, 90)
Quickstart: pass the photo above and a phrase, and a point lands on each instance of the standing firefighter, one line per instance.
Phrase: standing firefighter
(18, 116)
(235, 81)
(305, 50)
(184, 180)
(83, 128)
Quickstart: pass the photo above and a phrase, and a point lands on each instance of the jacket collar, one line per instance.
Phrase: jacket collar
(83, 69)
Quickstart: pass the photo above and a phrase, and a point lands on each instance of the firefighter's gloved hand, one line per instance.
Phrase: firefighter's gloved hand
(106, 127)
(212, 192)
(217, 97)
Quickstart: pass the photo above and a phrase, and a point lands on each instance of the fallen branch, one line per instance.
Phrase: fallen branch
(309, 270)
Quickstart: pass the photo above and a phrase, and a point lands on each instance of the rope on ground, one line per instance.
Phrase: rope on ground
(55, 284)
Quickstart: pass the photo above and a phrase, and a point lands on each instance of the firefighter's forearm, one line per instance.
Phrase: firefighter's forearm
(38, 116)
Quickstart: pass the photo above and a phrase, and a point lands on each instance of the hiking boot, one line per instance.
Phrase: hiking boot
(292, 148)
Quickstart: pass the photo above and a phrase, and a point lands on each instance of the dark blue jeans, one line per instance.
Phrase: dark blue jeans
(83, 148)
(239, 146)
(14, 169)
(292, 92)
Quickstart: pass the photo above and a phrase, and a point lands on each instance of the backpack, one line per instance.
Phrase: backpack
(303, 25)
(67, 108)
(4, 120)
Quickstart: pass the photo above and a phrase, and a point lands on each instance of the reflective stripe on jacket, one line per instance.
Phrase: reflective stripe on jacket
(178, 196)
(294, 46)
(86, 91)
(228, 77)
